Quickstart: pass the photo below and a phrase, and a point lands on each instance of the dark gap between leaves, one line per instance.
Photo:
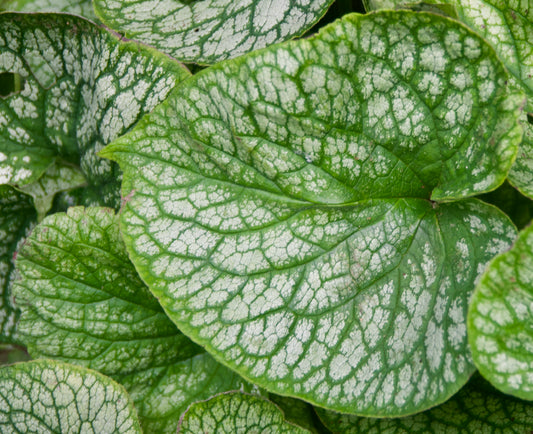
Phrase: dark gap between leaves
(11, 83)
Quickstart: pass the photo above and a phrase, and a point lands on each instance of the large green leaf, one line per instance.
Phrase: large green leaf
(477, 408)
(79, 88)
(278, 208)
(508, 26)
(17, 217)
(208, 31)
(46, 396)
(500, 320)
(82, 301)
(236, 413)
(80, 7)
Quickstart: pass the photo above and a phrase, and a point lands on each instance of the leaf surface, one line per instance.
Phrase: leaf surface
(285, 225)
(500, 320)
(79, 7)
(477, 408)
(47, 396)
(209, 31)
(82, 302)
(79, 88)
(237, 413)
(17, 217)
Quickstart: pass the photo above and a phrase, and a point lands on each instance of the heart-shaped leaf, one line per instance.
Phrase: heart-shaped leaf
(236, 413)
(79, 7)
(477, 408)
(49, 396)
(278, 208)
(208, 31)
(508, 26)
(500, 320)
(17, 217)
(82, 301)
(78, 87)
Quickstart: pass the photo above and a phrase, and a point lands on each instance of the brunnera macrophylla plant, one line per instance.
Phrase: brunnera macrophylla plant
(296, 238)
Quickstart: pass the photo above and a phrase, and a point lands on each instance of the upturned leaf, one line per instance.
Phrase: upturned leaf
(236, 413)
(79, 7)
(477, 408)
(17, 217)
(208, 31)
(76, 88)
(82, 302)
(46, 396)
(500, 320)
(278, 207)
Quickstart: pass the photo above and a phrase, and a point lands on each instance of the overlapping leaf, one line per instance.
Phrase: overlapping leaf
(82, 301)
(79, 88)
(236, 413)
(49, 396)
(79, 7)
(477, 408)
(163, 394)
(208, 31)
(500, 320)
(278, 208)
(17, 217)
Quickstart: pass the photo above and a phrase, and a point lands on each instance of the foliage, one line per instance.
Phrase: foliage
(289, 234)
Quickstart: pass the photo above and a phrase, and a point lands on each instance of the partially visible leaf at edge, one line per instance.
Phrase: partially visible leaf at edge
(508, 26)
(433, 6)
(79, 7)
(236, 413)
(521, 174)
(477, 408)
(500, 319)
(17, 217)
(285, 225)
(49, 396)
(209, 31)
(81, 88)
(82, 302)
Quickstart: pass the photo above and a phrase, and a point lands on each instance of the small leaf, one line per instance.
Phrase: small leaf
(79, 7)
(162, 395)
(49, 396)
(81, 88)
(236, 413)
(208, 31)
(500, 320)
(58, 177)
(521, 174)
(285, 225)
(477, 408)
(508, 26)
(17, 217)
